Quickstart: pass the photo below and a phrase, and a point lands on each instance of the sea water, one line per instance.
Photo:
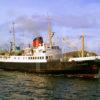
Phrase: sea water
(25, 86)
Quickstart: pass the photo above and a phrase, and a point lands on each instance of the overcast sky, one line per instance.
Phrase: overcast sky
(69, 19)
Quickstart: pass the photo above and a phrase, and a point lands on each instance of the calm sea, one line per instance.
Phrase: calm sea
(24, 86)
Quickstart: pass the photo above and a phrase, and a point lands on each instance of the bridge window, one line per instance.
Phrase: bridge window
(44, 51)
(46, 57)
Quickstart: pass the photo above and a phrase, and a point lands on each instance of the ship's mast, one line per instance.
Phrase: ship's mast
(50, 32)
(82, 40)
(14, 40)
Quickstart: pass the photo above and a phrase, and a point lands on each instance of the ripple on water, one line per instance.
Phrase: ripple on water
(23, 86)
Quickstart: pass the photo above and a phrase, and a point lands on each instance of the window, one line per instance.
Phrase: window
(46, 57)
(44, 51)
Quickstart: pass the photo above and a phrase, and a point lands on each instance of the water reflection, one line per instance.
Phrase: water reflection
(22, 86)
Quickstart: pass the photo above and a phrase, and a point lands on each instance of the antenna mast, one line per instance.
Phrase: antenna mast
(82, 44)
(50, 32)
(14, 40)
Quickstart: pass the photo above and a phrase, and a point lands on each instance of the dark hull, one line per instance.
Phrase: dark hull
(68, 68)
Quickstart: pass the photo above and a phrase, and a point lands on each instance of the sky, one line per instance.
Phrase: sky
(69, 18)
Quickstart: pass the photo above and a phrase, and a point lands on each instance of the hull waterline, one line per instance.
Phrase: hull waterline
(68, 68)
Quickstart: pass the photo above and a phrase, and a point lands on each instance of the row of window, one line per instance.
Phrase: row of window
(47, 57)
(35, 57)
(29, 58)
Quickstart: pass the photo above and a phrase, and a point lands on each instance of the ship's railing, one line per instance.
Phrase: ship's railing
(98, 57)
(82, 58)
(4, 57)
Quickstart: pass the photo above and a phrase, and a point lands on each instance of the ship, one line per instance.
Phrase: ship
(48, 59)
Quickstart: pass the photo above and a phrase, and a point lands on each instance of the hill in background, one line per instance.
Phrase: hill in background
(78, 54)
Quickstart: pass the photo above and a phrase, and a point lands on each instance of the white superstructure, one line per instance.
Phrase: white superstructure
(40, 54)
(84, 58)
